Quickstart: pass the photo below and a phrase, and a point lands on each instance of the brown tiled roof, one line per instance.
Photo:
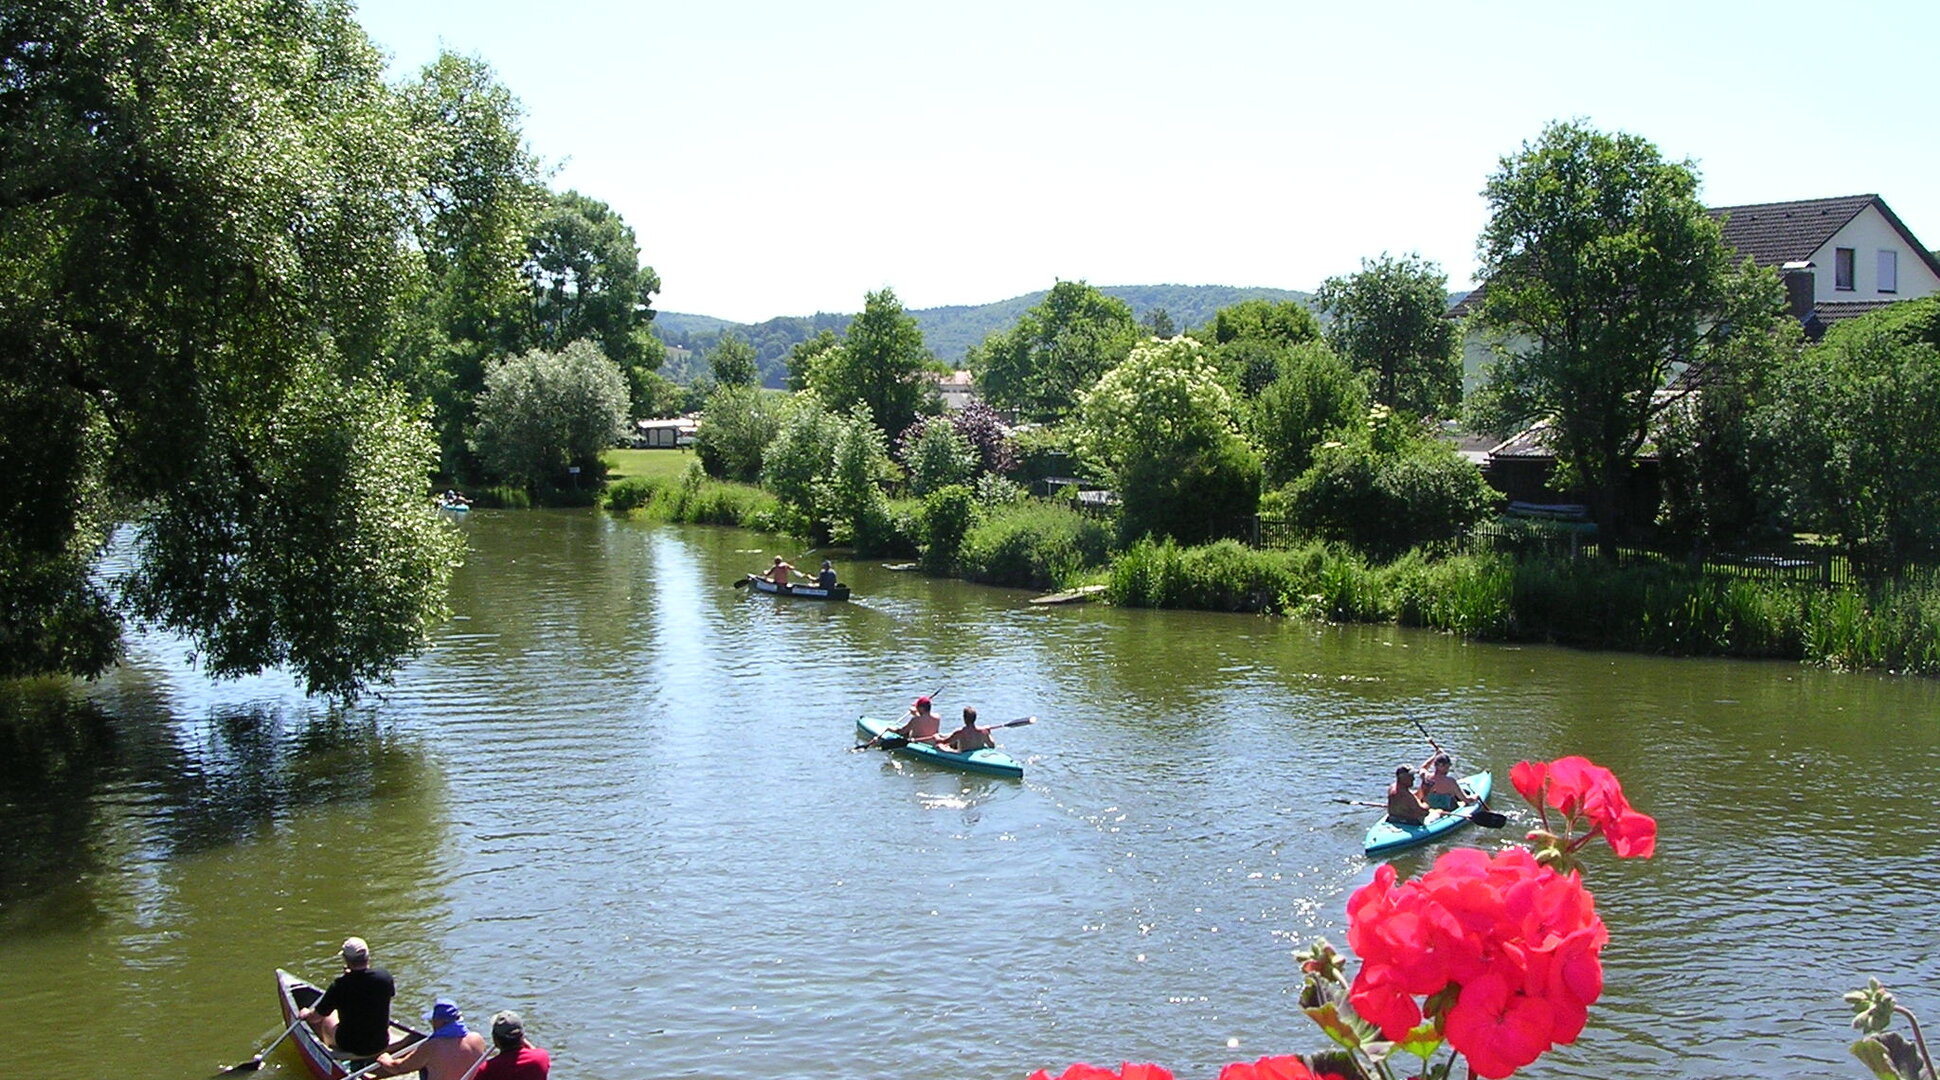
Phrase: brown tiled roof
(1773, 234)
(1777, 233)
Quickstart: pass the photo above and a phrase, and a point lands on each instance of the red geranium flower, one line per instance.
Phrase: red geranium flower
(1127, 1071)
(1284, 1067)
(1498, 1027)
(1582, 789)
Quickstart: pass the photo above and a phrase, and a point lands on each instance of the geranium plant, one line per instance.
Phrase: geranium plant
(1494, 958)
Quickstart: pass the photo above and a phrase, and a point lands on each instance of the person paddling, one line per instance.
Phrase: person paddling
(919, 724)
(1439, 790)
(968, 737)
(778, 573)
(1404, 806)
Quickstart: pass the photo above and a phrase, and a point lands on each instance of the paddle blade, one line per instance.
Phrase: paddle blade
(242, 1068)
(1489, 819)
(740, 583)
(1019, 722)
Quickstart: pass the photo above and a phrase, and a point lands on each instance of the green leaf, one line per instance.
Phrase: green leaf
(1889, 1057)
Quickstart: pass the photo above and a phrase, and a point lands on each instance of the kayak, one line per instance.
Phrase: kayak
(295, 995)
(990, 761)
(1384, 837)
(804, 590)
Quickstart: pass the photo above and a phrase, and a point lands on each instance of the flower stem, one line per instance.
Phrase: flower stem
(1919, 1040)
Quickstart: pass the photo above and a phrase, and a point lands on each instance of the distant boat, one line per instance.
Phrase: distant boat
(989, 761)
(1385, 837)
(803, 590)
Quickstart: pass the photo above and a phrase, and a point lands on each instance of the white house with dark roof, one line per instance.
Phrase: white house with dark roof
(1841, 258)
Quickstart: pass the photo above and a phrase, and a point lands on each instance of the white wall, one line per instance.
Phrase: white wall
(1867, 235)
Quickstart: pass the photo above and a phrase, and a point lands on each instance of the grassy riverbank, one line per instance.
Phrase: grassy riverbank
(1654, 608)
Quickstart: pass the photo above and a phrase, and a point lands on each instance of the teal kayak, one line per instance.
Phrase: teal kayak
(1385, 837)
(991, 762)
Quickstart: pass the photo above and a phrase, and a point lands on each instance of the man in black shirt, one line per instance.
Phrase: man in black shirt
(354, 1015)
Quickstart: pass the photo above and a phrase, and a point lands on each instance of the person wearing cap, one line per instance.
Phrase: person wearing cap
(517, 1059)
(1404, 806)
(919, 724)
(354, 1015)
(450, 1052)
(826, 579)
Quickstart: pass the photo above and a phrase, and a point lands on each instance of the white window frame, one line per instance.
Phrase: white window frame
(1844, 268)
(1889, 270)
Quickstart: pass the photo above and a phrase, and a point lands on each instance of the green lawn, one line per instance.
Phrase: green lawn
(624, 464)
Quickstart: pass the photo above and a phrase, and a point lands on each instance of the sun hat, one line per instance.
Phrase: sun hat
(922, 701)
(507, 1026)
(356, 951)
(443, 1011)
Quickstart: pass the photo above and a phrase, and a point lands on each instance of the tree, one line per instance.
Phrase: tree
(802, 357)
(879, 365)
(1158, 323)
(938, 457)
(543, 413)
(1386, 487)
(1162, 426)
(1057, 350)
(732, 361)
(1605, 276)
(204, 211)
(1315, 397)
(735, 429)
(475, 195)
(583, 275)
(1855, 423)
(1389, 322)
(1252, 340)
(796, 463)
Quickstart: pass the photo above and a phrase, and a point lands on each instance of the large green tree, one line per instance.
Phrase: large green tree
(204, 208)
(1854, 423)
(1389, 321)
(475, 198)
(585, 280)
(1058, 349)
(1605, 277)
(732, 361)
(542, 414)
(880, 364)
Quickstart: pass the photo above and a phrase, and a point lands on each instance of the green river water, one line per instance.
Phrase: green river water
(618, 796)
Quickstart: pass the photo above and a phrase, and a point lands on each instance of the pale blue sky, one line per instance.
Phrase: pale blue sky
(785, 158)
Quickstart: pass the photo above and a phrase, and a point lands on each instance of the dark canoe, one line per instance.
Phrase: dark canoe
(803, 590)
(1385, 837)
(295, 995)
(990, 762)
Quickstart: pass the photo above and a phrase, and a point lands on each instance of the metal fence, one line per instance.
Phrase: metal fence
(1578, 540)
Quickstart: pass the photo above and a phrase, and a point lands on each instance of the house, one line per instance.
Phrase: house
(1839, 258)
(956, 389)
(664, 434)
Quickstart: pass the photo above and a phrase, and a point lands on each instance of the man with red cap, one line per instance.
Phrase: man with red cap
(919, 724)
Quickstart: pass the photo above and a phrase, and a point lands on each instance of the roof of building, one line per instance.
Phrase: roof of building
(1773, 234)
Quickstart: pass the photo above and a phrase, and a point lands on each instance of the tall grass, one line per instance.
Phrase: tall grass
(695, 498)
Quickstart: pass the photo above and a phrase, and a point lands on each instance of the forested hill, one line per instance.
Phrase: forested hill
(948, 331)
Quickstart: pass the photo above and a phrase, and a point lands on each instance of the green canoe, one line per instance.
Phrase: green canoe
(991, 762)
(1384, 837)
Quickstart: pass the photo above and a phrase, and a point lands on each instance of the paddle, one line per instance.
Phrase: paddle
(1482, 816)
(257, 1062)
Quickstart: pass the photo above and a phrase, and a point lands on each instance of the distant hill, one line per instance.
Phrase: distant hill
(950, 332)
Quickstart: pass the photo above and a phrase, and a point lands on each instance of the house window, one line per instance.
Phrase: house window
(1889, 271)
(1842, 269)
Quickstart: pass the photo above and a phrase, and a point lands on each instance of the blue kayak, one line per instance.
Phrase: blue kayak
(1385, 837)
(991, 761)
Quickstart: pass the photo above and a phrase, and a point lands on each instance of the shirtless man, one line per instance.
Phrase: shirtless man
(1440, 791)
(919, 724)
(968, 737)
(450, 1053)
(778, 573)
(1404, 806)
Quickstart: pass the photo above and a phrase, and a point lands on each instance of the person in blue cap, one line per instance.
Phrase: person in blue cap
(450, 1052)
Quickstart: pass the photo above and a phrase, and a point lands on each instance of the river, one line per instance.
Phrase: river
(619, 796)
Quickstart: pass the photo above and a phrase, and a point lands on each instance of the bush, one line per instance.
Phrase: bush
(945, 518)
(1388, 489)
(1194, 494)
(697, 499)
(1033, 545)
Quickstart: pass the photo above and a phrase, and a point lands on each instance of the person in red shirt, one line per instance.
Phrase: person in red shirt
(517, 1059)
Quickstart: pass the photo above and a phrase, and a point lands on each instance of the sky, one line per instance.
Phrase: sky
(785, 158)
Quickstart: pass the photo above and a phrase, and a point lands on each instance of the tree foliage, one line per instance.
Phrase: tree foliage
(879, 364)
(205, 208)
(1605, 276)
(1055, 352)
(1315, 397)
(1855, 425)
(735, 429)
(1389, 322)
(1387, 487)
(543, 413)
(732, 361)
(584, 280)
